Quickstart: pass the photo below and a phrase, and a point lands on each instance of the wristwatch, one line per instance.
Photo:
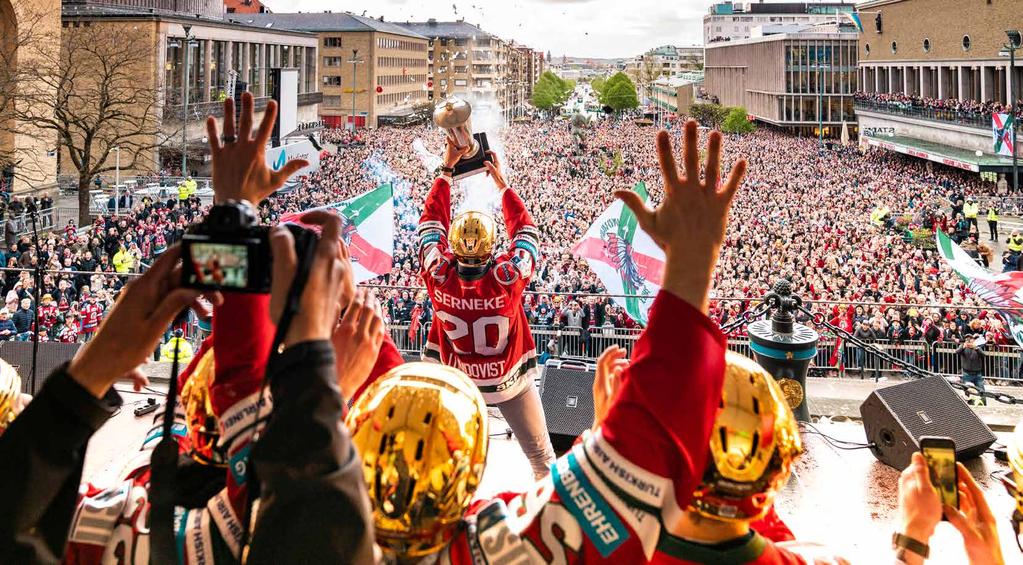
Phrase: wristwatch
(902, 543)
(447, 170)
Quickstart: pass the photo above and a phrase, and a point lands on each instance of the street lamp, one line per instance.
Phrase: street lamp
(1015, 41)
(819, 67)
(187, 46)
(354, 61)
(117, 181)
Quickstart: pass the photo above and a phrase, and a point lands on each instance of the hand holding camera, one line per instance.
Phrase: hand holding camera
(328, 275)
(357, 340)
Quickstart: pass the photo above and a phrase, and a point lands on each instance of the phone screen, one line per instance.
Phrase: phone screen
(219, 265)
(941, 461)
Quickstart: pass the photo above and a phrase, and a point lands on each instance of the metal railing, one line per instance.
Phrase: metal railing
(1002, 363)
(969, 119)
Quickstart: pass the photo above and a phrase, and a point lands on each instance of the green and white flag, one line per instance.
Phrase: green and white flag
(624, 257)
(367, 227)
(1000, 290)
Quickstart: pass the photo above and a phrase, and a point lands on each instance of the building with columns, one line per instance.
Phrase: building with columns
(217, 48)
(936, 49)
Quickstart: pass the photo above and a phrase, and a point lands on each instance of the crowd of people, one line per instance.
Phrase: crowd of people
(895, 288)
(959, 107)
(687, 451)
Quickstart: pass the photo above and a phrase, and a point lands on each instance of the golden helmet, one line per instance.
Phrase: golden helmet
(753, 443)
(421, 432)
(203, 428)
(10, 392)
(471, 237)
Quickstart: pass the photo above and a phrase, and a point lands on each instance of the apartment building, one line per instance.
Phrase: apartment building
(372, 72)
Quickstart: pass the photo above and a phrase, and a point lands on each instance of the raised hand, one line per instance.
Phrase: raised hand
(357, 340)
(239, 160)
(494, 171)
(608, 381)
(453, 153)
(689, 225)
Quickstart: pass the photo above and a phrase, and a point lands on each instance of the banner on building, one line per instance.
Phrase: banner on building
(1002, 126)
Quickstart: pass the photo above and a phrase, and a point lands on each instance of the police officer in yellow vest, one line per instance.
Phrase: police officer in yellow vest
(992, 221)
(186, 189)
(184, 349)
(879, 216)
(970, 211)
(1015, 242)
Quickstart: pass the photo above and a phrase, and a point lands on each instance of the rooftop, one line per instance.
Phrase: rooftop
(453, 30)
(324, 21)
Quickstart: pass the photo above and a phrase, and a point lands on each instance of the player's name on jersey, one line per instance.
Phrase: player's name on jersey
(494, 303)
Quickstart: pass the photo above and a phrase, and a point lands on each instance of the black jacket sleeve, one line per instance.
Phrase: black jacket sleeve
(41, 458)
(313, 502)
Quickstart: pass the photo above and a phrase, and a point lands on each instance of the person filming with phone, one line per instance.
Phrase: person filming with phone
(971, 356)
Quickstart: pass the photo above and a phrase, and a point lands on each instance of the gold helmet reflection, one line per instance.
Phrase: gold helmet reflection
(1015, 450)
(471, 237)
(753, 443)
(421, 431)
(203, 428)
(10, 391)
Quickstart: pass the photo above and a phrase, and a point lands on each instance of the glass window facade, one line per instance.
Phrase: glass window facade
(820, 79)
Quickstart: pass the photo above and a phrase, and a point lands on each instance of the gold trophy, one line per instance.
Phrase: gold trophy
(454, 116)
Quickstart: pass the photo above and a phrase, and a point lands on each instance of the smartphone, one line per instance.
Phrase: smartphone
(940, 454)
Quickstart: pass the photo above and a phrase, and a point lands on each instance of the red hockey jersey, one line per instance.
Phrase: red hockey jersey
(479, 326)
(606, 500)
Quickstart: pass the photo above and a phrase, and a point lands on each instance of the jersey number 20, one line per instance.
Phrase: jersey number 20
(457, 328)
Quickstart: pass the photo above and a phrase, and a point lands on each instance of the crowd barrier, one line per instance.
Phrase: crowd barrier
(1002, 363)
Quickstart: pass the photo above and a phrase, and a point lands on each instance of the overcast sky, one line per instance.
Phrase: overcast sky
(580, 28)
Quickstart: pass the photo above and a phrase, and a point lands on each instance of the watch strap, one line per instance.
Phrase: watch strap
(447, 170)
(901, 541)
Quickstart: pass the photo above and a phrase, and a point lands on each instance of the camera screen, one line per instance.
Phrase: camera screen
(224, 265)
(941, 461)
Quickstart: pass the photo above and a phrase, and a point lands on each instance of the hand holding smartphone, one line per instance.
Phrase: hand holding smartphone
(940, 454)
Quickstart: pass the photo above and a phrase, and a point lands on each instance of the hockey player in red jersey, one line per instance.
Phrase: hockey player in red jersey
(422, 432)
(479, 325)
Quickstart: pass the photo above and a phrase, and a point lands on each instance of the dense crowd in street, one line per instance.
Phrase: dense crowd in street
(968, 108)
(779, 229)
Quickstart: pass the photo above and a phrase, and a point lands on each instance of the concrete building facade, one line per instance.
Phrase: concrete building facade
(783, 79)
(729, 21)
(908, 47)
(371, 72)
(29, 34)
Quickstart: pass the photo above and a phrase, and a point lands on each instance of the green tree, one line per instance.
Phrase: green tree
(619, 92)
(709, 115)
(736, 121)
(598, 85)
(551, 91)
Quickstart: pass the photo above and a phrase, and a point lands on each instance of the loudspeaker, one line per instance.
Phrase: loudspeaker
(895, 417)
(566, 391)
(51, 356)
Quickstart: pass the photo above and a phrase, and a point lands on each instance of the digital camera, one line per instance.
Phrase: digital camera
(227, 251)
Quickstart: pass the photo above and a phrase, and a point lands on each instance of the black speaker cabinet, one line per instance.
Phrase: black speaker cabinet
(51, 355)
(566, 390)
(895, 417)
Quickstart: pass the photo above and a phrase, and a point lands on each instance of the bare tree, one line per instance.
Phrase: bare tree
(97, 92)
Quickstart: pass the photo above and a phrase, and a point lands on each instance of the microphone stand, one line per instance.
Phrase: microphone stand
(38, 276)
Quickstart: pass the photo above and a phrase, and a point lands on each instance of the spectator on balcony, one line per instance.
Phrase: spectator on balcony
(971, 356)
